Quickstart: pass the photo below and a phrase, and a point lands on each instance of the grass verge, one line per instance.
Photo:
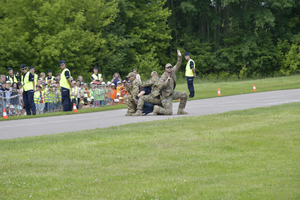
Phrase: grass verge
(204, 89)
(249, 154)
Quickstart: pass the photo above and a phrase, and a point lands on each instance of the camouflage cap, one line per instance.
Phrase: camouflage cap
(154, 72)
(168, 65)
(130, 74)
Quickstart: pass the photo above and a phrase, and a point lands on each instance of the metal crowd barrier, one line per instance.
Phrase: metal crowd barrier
(13, 103)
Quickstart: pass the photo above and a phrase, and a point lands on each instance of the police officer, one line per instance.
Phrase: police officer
(190, 73)
(65, 84)
(36, 77)
(13, 78)
(28, 84)
(96, 77)
(153, 97)
(167, 84)
(50, 77)
(133, 90)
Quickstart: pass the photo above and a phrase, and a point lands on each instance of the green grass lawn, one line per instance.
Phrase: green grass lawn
(204, 89)
(249, 154)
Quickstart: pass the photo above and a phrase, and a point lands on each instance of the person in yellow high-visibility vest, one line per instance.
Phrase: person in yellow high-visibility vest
(13, 78)
(50, 77)
(190, 74)
(36, 77)
(65, 84)
(95, 76)
(27, 80)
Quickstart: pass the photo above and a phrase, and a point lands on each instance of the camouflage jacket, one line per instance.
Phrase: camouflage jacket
(167, 87)
(134, 88)
(153, 82)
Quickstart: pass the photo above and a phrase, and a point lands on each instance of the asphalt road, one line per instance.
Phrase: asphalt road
(70, 123)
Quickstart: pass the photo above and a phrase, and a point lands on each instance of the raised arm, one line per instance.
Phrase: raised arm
(179, 60)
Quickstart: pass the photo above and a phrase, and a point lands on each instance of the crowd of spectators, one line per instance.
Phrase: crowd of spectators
(47, 92)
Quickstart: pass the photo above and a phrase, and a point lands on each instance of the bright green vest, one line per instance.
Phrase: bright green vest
(96, 78)
(37, 97)
(63, 80)
(52, 96)
(188, 70)
(12, 80)
(58, 96)
(36, 77)
(47, 98)
(27, 85)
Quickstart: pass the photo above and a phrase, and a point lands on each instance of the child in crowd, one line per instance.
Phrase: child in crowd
(78, 92)
(58, 96)
(39, 99)
(81, 103)
(15, 101)
(108, 93)
(88, 105)
(103, 92)
(86, 92)
(113, 94)
(123, 92)
(91, 91)
(73, 92)
(119, 97)
(97, 95)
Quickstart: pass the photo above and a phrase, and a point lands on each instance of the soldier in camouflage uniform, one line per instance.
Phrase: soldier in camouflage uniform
(153, 98)
(167, 84)
(133, 90)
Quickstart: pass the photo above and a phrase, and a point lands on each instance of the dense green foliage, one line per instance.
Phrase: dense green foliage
(228, 38)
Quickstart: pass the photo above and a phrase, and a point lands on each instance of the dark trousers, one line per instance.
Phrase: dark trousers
(190, 85)
(148, 108)
(65, 98)
(29, 102)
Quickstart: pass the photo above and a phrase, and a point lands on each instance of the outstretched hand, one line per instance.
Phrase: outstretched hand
(178, 52)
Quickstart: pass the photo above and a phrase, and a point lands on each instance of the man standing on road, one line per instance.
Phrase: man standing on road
(167, 84)
(190, 73)
(65, 84)
(153, 97)
(28, 90)
(133, 91)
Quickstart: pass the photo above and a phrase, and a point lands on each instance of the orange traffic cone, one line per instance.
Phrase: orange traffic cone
(254, 88)
(4, 114)
(219, 92)
(74, 108)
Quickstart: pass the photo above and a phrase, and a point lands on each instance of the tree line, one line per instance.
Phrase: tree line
(242, 38)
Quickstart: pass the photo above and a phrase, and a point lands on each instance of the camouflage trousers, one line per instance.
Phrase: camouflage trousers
(167, 105)
(149, 99)
(129, 102)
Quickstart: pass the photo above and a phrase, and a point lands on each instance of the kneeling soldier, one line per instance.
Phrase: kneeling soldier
(152, 98)
(133, 90)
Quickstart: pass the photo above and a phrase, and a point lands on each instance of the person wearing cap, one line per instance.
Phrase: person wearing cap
(95, 76)
(50, 77)
(133, 91)
(36, 77)
(65, 84)
(167, 84)
(190, 73)
(27, 80)
(13, 78)
(149, 96)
